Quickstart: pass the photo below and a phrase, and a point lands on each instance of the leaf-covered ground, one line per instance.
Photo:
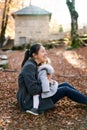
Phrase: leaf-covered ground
(70, 66)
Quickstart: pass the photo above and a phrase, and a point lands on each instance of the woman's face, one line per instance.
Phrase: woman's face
(41, 56)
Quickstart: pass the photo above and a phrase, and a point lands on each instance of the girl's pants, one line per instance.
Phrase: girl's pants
(65, 89)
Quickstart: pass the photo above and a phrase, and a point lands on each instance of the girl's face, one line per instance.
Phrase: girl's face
(41, 56)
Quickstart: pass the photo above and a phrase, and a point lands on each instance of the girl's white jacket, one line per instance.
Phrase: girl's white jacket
(48, 89)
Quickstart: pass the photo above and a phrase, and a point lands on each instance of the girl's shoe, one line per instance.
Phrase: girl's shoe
(33, 111)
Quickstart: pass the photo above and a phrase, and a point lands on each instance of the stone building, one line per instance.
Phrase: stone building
(31, 24)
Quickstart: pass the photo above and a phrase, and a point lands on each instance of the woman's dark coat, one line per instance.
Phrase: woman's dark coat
(29, 85)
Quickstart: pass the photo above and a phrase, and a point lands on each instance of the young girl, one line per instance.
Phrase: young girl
(45, 73)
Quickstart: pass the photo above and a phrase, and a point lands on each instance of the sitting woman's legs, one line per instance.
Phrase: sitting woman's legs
(66, 84)
(71, 93)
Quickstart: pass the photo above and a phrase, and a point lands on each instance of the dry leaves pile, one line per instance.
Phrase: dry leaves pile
(70, 66)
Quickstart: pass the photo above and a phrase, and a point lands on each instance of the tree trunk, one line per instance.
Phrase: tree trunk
(4, 21)
(74, 23)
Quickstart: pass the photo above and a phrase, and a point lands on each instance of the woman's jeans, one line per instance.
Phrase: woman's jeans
(65, 89)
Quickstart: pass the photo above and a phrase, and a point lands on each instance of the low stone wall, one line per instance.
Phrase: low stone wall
(3, 61)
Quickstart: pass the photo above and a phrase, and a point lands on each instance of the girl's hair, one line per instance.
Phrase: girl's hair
(48, 61)
(29, 53)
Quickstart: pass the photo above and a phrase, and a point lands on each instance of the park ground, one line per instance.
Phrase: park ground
(70, 66)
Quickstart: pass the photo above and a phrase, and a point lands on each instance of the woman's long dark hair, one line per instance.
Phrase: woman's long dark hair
(29, 53)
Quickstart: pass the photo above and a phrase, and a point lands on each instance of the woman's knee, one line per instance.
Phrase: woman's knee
(63, 88)
(66, 83)
(63, 84)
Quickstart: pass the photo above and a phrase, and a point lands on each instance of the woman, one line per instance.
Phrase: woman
(49, 86)
(29, 85)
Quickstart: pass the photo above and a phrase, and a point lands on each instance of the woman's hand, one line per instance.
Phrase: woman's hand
(49, 76)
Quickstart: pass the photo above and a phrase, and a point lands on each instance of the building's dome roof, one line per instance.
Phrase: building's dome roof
(32, 10)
